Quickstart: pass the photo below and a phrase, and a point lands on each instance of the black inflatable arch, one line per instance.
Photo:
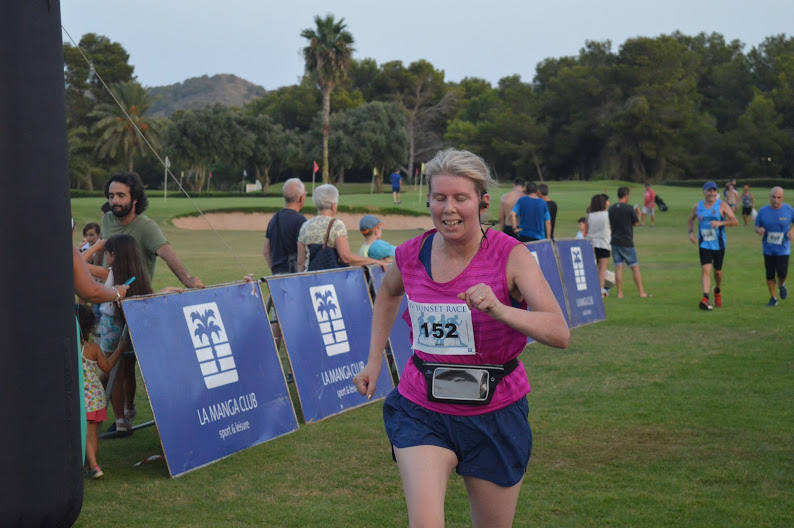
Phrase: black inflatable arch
(40, 445)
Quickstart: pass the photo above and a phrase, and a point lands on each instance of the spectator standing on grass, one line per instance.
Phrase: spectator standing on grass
(395, 186)
(622, 219)
(543, 192)
(87, 289)
(127, 199)
(713, 216)
(488, 280)
(731, 196)
(93, 363)
(599, 234)
(775, 224)
(748, 203)
(281, 238)
(506, 203)
(532, 214)
(648, 205)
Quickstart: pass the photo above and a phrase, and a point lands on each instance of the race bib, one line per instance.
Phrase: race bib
(708, 234)
(774, 238)
(443, 329)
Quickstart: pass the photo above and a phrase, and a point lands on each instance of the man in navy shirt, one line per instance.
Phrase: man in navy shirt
(775, 224)
(281, 238)
(532, 215)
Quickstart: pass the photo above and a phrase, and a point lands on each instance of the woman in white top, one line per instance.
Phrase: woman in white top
(599, 234)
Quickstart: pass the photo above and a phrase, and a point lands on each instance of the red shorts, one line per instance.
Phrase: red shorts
(97, 416)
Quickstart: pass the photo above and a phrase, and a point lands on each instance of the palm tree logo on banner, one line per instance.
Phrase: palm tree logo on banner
(211, 344)
(329, 318)
(578, 268)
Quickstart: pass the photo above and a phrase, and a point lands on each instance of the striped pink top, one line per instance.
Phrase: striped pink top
(495, 342)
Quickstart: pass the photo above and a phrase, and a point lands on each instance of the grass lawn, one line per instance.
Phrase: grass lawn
(662, 415)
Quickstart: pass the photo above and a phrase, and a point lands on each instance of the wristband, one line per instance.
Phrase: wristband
(118, 295)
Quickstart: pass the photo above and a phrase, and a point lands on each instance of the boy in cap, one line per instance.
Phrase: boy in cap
(373, 247)
(713, 216)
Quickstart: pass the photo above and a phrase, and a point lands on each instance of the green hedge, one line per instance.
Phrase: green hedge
(158, 193)
(767, 183)
(311, 210)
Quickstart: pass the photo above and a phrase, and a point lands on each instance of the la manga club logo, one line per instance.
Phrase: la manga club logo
(211, 344)
(329, 317)
(578, 268)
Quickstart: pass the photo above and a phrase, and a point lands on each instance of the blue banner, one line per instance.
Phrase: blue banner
(580, 277)
(400, 335)
(212, 372)
(543, 251)
(325, 318)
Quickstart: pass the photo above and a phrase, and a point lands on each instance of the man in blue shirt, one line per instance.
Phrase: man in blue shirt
(712, 215)
(532, 214)
(775, 224)
(395, 186)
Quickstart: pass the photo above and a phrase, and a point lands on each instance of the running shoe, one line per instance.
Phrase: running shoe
(718, 299)
(705, 305)
(95, 473)
(783, 291)
(772, 302)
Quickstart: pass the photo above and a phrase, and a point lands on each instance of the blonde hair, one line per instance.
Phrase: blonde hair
(460, 163)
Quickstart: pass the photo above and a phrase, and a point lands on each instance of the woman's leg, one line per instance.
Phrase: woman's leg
(491, 505)
(424, 471)
(602, 270)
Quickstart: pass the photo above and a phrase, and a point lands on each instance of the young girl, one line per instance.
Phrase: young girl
(123, 258)
(95, 398)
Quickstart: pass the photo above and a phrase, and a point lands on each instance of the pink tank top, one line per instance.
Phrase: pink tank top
(495, 342)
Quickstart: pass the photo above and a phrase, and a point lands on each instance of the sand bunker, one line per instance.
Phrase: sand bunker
(259, 221)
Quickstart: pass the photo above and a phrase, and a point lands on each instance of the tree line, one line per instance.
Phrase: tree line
(672, 107)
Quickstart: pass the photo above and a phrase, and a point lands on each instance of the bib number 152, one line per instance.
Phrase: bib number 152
(439, 330)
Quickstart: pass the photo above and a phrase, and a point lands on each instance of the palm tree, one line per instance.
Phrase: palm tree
(117, 137)
(327, 57)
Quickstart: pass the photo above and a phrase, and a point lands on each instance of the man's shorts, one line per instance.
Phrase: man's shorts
(747, 211)
(776, 264)
(601, 253)
(712, 256)
(648, 210)
(395, 188)
(624, 255)
(494, 446)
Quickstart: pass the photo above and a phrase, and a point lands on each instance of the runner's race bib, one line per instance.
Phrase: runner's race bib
(774, 238)
(443, 329)
(708, 234)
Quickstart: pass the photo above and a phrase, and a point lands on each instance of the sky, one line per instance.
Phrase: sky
(259, 40)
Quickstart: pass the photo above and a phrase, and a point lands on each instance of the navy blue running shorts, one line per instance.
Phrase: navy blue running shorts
(494, 446)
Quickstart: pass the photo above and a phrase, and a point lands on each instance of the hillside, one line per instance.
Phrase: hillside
(198, 92)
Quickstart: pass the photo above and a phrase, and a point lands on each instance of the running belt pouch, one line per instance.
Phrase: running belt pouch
(323, 257)
(462, 384)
